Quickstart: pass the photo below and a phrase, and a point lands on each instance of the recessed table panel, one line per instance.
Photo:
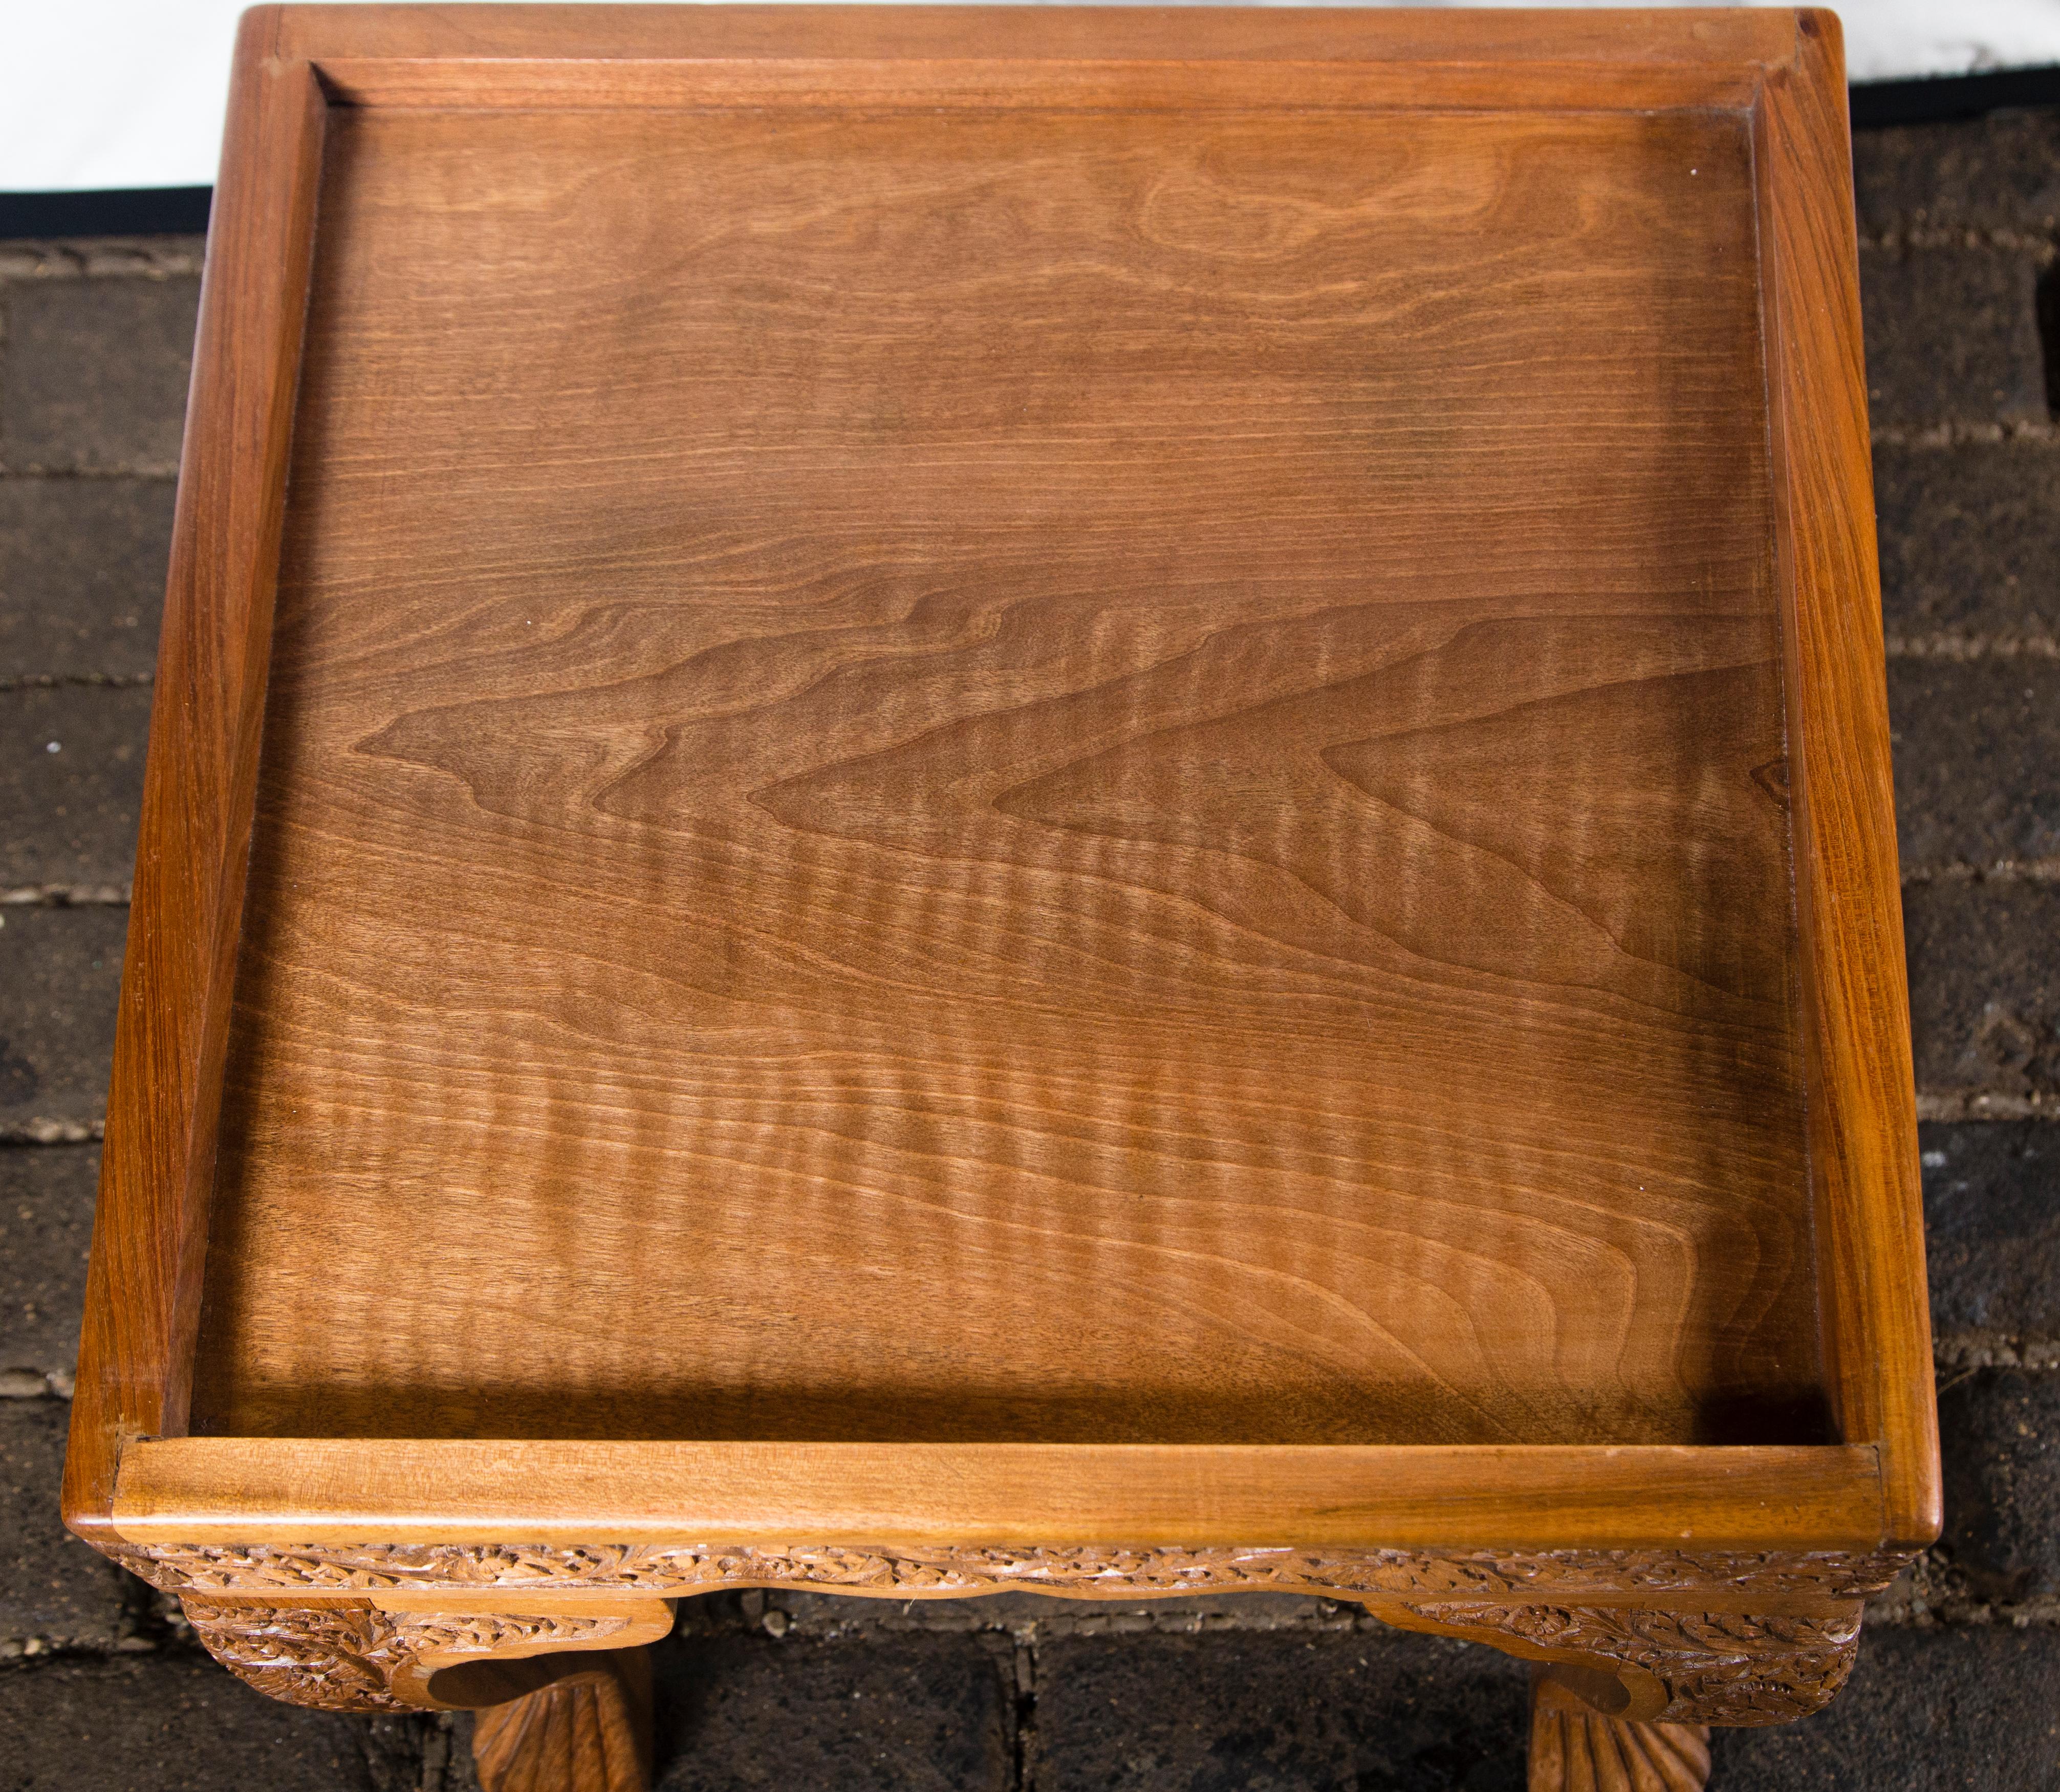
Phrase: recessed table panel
(1023, 775)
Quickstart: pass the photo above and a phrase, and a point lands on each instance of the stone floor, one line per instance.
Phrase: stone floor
(1958, 1684)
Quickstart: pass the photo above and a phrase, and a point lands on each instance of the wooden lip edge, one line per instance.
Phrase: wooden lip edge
(1021, 84)
(285, 1491)
(149, 1226)
(573, 56)
(1874, 1309)
(1665, 37)
(92, 1493)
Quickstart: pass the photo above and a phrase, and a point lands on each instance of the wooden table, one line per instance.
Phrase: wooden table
(1089, 801)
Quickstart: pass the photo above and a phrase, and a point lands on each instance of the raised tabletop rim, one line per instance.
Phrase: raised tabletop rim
(131, 1473)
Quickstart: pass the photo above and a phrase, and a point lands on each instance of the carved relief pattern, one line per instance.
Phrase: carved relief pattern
(353, 1658)
(1142, 1573)
(339, 1658)
(1692, 1666)
(1710, 1667)
(1573, 1751)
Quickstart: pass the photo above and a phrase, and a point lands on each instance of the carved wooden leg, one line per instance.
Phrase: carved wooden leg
(563, 1706)
(1640, 1666)
(590, 1729)
(1573, 1748)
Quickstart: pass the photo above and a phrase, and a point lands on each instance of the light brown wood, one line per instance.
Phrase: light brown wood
(1521, 48)
(1862, 1108)
(1110, 787)
(1642, 1635)
(287, 1492)
(1071, 57)
(395, 1653)
(1573, 1748)
(987, 83)
(1008, 948)
(143, 1288)
(588, 1731)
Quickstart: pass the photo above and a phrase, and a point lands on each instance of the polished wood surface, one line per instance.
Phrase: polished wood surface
(1017, 688)
(1574, 1748)
(1100, 778)
(143, 1289)
(1862, 1108)
(588, 1731)
(285, 1491)
(1110, 786)
(484, 45)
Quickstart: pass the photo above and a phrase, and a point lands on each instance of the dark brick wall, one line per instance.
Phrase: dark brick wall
(1958, 1684)
(1958, 233)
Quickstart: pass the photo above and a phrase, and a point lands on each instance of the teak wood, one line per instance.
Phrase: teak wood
(949, 799)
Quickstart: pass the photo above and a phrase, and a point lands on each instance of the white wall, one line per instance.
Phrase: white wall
(129, 93)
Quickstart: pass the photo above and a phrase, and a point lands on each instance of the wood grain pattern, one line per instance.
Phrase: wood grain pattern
(1573, 1748)
(590, 1730)
(1029, 747)
(1862, 1108)
(292, 1491)
(1136, 57)
(156, 1173)
(1063, 778)
(1519, 45)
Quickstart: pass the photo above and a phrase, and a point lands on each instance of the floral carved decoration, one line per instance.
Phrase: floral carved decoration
(352, 1657)
(1371, 1574)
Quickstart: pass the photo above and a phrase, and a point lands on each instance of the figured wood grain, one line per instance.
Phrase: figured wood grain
(1862, 1102)
(156, 1173)
(491, 56)
(244, 1491)
(1098, 778)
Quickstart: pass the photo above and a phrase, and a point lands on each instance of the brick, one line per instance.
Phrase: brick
(2000, 173)
(96, 373)
(1969, 540)
(60, 973)
(1977, 760)
(1984, 987)
(1952, 336)
(416, 1753)
(69, 816)
(1970, 1710)
(81, 575)
(1992, 1226)
(1999, 1432)
(171, 1723)
(46, 1194)
(1366, 1708)
(153, 256)
(51, 1585)
(911, 1712)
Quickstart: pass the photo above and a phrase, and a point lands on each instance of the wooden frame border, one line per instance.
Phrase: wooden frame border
(131, 1474)
(1874, 1307)
(204, 1491)
(149, 1234)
